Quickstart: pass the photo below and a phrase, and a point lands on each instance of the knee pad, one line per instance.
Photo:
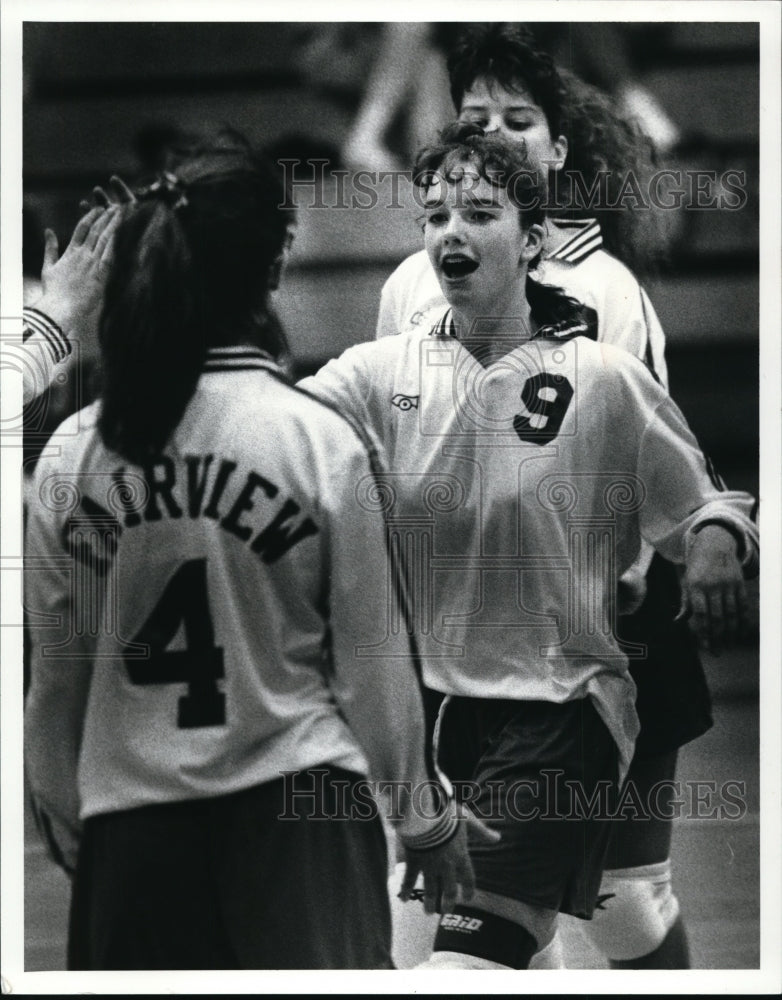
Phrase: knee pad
(477, 936)
(636, 908)
(550, 957)
(457, 960)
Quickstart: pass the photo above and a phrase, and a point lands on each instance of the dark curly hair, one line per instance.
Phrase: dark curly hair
(600, 141)
(190, 256)
(504, 164)
(506, 53)
(498, 161)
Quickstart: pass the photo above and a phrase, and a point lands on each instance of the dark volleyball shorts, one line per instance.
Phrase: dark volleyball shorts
(545, 776)
(673, 701)
(223, 883)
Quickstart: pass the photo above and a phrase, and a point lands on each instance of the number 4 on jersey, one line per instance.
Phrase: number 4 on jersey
(184, 601)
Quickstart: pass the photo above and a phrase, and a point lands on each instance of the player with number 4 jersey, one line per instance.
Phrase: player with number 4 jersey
(209, 717)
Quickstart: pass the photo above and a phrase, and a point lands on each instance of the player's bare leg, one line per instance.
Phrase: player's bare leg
(639, 925)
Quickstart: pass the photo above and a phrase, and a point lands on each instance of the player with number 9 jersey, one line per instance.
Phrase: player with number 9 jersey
(527, 463)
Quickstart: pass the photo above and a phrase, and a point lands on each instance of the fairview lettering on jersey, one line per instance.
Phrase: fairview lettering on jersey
(203, 487)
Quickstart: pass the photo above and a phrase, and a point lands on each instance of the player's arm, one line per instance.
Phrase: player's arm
(71, 297)
(377, 685)
(345, 384)
(60, 671)
(375, 674)
(693, 520)
(54, 716)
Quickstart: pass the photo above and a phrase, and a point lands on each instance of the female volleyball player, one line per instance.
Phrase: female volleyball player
(527, 463)
(206, 702)
(572, 133)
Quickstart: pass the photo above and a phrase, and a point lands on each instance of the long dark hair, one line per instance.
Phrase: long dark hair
(191, 267)
(601, 142)
(503, 164)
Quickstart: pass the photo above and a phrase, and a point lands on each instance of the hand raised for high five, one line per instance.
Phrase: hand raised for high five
(118, 193)
(72, 285)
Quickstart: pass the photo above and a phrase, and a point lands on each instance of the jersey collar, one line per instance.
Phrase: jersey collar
(239, 358)
(585, 240)
(563, 330)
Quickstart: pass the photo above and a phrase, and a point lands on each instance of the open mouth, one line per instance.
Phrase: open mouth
(458, 266)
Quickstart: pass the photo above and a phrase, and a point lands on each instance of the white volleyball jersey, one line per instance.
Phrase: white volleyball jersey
(232, 598)
(619, 307)
(519, 493)
(45, 347)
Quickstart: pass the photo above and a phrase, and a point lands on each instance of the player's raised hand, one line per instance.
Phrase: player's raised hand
(117, 192)
(713, 589)
(447, 869)
(72, 284)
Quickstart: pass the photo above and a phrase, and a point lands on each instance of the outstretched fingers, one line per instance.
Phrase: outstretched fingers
(84, 225)
(98, 228)
(104, 246)
(51, 250)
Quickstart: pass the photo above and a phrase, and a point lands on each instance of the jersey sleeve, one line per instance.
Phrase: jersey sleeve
(345, 384)
(46, 346)
(389, 315)
(60, 657)
(684, 493)
(411, 290)
(375, 674)
(627, 319)
(655, 340)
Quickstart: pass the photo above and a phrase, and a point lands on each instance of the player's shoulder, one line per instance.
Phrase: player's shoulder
(624, 370)
(600, 267)
(267, 413)
(77, 430)
(72, 446)
(599, 359)
(603, 267)
(410, 270)
(377, 359)
(579, 250)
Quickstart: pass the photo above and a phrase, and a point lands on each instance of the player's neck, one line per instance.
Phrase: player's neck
(510, 319)
(491, 338)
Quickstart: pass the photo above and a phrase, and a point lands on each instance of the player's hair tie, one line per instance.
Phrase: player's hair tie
(168, 188)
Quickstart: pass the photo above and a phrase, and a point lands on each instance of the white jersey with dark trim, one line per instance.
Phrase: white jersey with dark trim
(45, 347)
(623, 314)
(232, 599)
(519, 493)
